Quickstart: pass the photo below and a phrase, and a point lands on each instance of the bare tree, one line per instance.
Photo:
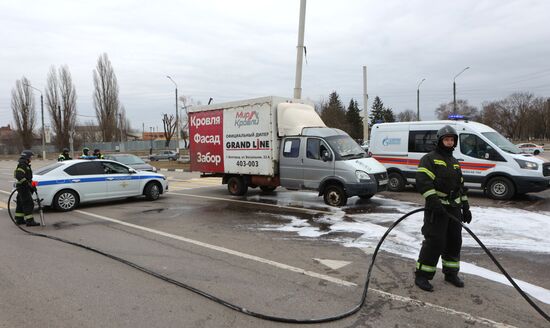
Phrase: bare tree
(169, 122)
(106, 100)
(462, 108)
(407, 116)
(186, 103)
(24, 113)
(61, 103)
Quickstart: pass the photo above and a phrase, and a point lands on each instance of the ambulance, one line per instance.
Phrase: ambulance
(488, 160)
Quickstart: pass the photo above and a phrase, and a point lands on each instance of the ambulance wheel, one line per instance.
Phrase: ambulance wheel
(536, 152)
(236, 186)
(65, 200)
(500, 188)
(396, 182)
(335, 195)
(267, 188)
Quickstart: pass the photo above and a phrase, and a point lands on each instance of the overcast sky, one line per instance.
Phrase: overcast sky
(233, 50)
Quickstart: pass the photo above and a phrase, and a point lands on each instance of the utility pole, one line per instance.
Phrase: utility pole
(418, 100)
(365, 107)
(300, 51)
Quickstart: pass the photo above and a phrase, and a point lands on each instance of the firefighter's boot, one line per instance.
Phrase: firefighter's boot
(19, 220)
(454, 279)
(31, 223)
(423, 283)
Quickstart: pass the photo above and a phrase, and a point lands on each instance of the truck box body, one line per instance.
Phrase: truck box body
(238, 137)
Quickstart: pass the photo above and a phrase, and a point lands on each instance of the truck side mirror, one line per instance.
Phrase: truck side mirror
(325, 156)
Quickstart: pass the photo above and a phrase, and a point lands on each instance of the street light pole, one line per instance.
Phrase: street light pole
(454, 89)
(418, 100)
(177, 118)
(43, 131)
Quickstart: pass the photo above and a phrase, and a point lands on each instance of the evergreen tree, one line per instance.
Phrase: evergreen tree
(377, 111)
(355, 121)
(388, 115)
(333, 113)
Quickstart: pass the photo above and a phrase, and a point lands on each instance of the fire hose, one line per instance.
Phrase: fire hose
(243, 310)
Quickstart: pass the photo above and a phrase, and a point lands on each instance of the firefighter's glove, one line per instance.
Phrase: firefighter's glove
(434, 204)
(466, 214)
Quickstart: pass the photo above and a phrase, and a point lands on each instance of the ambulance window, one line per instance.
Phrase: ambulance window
(422, 141)
(473, 146)
(291, 148)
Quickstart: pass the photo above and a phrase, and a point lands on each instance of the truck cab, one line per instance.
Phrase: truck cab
(330, 161)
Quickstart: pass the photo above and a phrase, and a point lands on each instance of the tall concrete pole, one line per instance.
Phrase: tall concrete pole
(300, 51)
(365, 106)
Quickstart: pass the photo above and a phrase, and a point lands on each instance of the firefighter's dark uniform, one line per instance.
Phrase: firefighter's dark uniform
(64, 156)
(25, 203)
(439, 180)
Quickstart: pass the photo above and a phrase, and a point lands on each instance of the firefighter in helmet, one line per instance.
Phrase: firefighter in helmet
(64, 156)
(439, 180)
(25, 203)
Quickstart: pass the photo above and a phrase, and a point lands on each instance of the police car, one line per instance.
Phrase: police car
(64, 185)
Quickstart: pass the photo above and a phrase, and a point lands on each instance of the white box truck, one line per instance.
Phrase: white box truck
(488, 160)
(273, 141)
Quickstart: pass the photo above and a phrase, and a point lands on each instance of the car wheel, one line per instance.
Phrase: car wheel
(236, 186)
(500, 188)
(396, 182)
(335, 195)
(65, 200)
(152, 191)
(268, 188)
(536, 152)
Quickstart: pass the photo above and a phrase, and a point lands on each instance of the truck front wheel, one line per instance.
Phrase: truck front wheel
(236, 186)
(335, 195)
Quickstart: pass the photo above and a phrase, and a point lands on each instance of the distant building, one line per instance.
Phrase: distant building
(153, 136)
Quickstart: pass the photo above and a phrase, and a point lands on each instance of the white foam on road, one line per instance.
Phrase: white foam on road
(498, 228)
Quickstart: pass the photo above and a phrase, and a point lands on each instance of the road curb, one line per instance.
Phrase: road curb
(173, 170)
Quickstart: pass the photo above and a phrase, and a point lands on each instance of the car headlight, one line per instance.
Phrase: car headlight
(362, 175)
(527, 165)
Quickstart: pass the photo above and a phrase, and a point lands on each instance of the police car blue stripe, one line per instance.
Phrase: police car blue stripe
(97, 179)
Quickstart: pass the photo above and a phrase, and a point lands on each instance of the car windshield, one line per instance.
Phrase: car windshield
(498, 140)
(48, 168)
(128, 159)
(344, 146)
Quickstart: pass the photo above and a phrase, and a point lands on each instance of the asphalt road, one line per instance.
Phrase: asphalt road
(198, 235)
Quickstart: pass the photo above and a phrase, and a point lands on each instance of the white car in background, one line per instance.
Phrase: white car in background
(531, 148)
(64, 185)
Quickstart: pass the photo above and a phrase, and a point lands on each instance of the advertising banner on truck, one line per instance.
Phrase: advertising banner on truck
(206, 141)
(242, 136)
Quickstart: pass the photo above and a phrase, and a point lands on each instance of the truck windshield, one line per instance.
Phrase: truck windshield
(501, 142)
(345, 147)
